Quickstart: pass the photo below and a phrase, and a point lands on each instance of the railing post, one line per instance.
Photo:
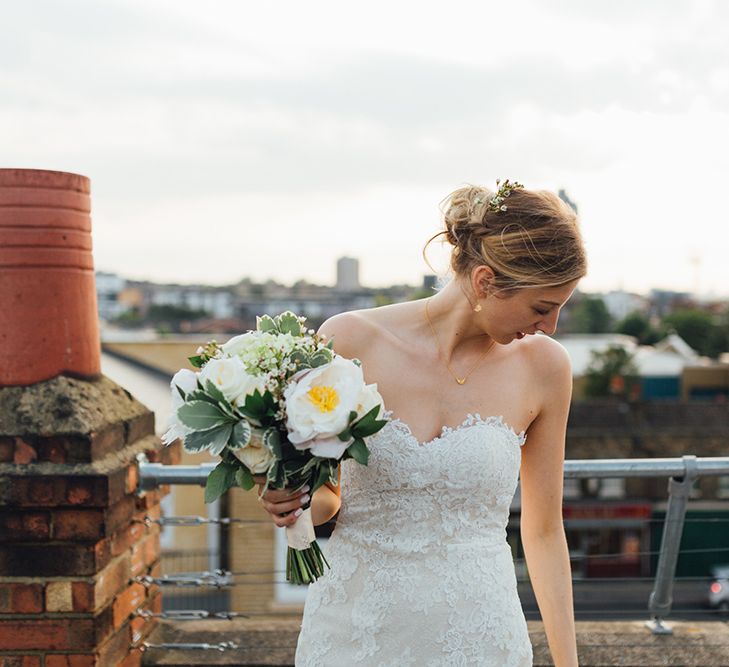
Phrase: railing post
(661, 598)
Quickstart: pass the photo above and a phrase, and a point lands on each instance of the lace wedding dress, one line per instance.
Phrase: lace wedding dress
(421, 573)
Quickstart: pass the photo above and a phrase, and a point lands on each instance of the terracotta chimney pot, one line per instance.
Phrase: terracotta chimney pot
(48, 313)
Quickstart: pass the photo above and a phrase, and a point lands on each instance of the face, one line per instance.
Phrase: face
(527, 311)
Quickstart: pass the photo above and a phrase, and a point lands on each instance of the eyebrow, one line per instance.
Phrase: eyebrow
(551, 303)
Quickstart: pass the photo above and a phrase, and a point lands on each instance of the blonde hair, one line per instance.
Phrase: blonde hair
(535, 242)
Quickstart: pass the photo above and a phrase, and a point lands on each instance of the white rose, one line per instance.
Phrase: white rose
(239, 344)
(255, 455)
(187, 381)
(231, 378)
(318, 404)
(369, 397)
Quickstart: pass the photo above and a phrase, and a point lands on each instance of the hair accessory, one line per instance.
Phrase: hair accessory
(496, 203)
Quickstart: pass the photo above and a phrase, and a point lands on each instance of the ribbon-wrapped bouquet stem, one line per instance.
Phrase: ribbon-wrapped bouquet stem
(276, 401)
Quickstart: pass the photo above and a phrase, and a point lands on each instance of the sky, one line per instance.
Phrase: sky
(234, 139)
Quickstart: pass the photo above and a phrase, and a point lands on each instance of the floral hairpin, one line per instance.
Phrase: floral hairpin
(496, 203)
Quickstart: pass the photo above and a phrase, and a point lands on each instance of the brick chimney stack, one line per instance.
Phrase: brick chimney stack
(72, 536)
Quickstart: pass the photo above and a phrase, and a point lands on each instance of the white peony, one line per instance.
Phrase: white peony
(369, 397)
(318, 403)
(231, 378)
(255, 455)
(187, 381)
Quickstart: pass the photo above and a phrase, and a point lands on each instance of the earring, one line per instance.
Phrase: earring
(477, 308)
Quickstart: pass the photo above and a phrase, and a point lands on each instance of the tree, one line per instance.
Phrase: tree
(694, 326)
(167, 318)
(636, 324)
(612, 372)
(591, 316)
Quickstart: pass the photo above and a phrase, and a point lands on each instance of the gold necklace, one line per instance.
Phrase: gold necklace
(448, 366)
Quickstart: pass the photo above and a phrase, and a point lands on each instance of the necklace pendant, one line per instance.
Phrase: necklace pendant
(459, 381)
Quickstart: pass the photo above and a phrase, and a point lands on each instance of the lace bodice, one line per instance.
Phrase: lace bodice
(421, 573)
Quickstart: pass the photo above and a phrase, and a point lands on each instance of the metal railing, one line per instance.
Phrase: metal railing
(681, 473)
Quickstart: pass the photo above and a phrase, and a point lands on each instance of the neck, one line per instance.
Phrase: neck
(452, 315)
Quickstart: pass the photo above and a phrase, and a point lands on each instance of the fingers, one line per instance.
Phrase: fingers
(282, 504)
(283, 508)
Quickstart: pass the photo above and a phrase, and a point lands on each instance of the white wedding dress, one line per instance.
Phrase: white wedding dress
(421, 573)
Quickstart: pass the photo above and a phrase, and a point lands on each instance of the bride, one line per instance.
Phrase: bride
(421, 573)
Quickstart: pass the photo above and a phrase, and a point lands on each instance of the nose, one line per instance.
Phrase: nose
(549, 324)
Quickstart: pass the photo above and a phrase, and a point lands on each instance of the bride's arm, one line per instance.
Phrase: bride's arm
(542, 528)
(326, 501)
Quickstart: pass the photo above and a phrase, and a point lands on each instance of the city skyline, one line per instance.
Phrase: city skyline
(651, 292)
(269, 140)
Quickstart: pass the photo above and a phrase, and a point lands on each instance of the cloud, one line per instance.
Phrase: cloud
(174, 108)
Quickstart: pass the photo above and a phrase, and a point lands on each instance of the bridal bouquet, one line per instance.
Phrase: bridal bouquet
(278, 401)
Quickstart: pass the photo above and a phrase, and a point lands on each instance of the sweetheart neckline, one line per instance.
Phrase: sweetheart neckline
(472, 419)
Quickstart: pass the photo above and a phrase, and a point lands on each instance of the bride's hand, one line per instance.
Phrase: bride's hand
(282, 504)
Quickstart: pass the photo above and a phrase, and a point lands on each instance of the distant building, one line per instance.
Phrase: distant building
(664, 302)
(430, 282)
(660, 367)
(218, 302)
(347, 274)
(108, 288)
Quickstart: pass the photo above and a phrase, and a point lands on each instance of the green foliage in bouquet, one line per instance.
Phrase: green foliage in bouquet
(244, 420)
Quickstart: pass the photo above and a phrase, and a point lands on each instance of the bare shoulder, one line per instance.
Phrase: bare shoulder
(549, 356)
(356, 331)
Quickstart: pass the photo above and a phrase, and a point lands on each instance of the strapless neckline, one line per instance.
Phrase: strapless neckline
(472, 419)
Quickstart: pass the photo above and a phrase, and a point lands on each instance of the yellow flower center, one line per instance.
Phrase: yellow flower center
(325, 398)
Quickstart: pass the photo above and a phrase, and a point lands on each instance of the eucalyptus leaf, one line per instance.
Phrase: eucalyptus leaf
(323, 476)
(219, 481)
(196, 361)
(265, 323)
(254, 404)
(288, 323)
(368, 424)
(241, 435)
(358, 451)
(272, 440)
(320, 358)
(201, 415)
(311, 463)
(244, 478)
(299, 357)
(214, 439)
(213, 391)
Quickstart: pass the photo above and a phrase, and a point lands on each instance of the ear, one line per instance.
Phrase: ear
(481, 278)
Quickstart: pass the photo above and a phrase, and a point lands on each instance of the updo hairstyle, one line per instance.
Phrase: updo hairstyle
(535, 242)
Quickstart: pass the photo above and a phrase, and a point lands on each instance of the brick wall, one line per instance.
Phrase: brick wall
(72, 531)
